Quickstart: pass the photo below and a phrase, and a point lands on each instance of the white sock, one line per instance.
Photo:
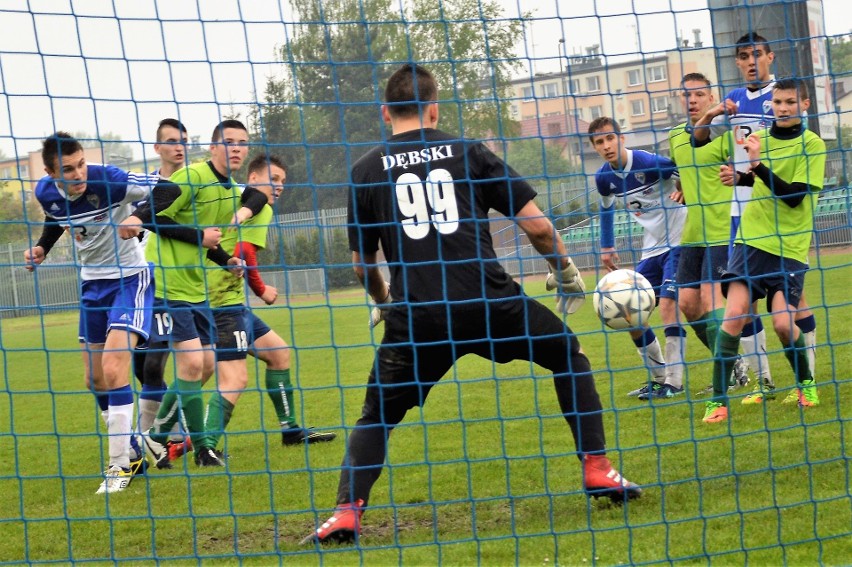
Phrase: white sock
(105, 417)
(810, 343)
(652, 357)
(754, 353)
(675, 347)
(147, 413)
(118, 428)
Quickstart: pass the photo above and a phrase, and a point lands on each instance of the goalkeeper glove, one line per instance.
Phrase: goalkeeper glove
(377, 314)
(569, 286)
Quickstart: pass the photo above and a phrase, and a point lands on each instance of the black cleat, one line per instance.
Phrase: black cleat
(207, 457)
(297, 436)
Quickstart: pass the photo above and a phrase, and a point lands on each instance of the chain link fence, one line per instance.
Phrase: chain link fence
(54, 285)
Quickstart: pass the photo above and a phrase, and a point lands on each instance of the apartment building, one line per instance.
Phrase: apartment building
(642, 94)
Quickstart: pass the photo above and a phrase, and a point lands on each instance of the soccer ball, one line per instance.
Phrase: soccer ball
(624, 299)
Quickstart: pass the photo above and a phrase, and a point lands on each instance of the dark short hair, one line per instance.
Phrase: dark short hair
(600, 123)
(792, 84)
(262, 162)
(697, 77)
(169, 123)
(753, 39)
(410, 87)
(57, 145)
(220, 128)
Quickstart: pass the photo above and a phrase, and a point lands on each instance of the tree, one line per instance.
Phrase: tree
(323, 113)
(20, 221)
(111, 145)
(840, 54)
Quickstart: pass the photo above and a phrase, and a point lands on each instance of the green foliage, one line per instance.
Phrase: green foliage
(840, 54)
(113, 149)
(323, 113)
(17, 222)
(536, 158)
(331, 253)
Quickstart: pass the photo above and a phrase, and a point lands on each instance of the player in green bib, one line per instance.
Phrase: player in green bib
(199, 195)
(770, 257)
(706, 232)
(241, 332)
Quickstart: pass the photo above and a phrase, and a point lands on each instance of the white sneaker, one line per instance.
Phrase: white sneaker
(116, 479)
(158, 451)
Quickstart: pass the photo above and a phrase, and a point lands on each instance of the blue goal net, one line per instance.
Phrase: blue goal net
(732, 422)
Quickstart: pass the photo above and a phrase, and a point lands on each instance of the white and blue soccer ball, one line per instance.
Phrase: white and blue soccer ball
(624, 299)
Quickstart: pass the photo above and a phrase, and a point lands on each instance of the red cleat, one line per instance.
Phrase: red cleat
(343, 526)
(601, 480)
(178, 449)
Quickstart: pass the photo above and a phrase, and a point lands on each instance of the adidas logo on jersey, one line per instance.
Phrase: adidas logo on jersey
(54, 208)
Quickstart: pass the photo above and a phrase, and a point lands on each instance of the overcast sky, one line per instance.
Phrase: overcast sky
(98, 66)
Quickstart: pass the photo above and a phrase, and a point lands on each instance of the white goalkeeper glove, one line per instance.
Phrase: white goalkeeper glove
(377, 314)
(569, 286)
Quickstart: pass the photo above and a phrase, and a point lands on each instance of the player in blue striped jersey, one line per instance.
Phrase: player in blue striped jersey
(89, 200)
(644, 183)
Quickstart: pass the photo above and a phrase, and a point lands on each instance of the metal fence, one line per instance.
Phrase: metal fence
(54, 285)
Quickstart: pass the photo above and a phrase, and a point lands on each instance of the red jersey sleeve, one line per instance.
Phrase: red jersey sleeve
(248, 252)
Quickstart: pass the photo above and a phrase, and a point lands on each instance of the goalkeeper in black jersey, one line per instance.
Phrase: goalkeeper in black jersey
(424, 196)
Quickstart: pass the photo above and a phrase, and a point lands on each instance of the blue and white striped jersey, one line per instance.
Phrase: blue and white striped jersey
(645, 184)
(92, 217)
(754, 112)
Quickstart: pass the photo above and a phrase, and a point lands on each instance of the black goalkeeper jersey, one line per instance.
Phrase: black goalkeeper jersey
(425, 196)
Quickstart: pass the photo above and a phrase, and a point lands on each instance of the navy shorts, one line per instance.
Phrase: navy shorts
(255, 327)
(232, 338)
(661, 271)
(701, 264)
(191, 321)
(124, 303)
(735, 227)
(161, 325)
(766, 274)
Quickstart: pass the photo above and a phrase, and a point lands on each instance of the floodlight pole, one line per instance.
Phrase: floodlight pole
(563, 78)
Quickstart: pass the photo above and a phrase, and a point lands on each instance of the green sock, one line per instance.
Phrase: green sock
(714, 322)
(167, 416)
(727, 348)
(797, 355)
(280, 391)
(192, 405)
(700, 328)
(219, 411)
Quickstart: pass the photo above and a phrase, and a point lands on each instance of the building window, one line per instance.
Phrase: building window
(577, 113)
(656, 74)
(659, 104)
(5, 173)
(619, 93)
(593, 84)
(596, 112)
(637, 107)
(634, 77)
(621, 122)
(528, 93)
(24, 171)
(572, 86)
(550, 90)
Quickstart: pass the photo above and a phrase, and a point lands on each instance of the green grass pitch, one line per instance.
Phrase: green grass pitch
(483, 474)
